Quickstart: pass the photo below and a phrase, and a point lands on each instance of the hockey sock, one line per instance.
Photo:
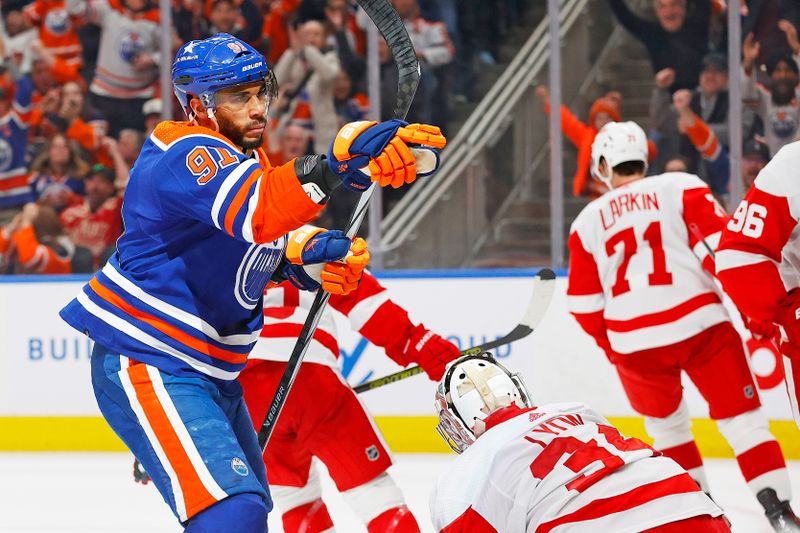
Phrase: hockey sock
(310, 517)
(240, 513)
(672, 435)
(757, 452)
(688, 456)
(396, 520)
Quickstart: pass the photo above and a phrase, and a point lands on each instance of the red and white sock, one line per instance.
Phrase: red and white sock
(311, 517)
(757, 452)
(395, 520)
(380, 505)
(672, 435)
(688, 456)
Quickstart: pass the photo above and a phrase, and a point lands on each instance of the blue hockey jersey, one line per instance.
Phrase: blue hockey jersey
(205, 229)
(14, 187)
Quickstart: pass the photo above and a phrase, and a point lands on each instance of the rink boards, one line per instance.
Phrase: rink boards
(46, 402)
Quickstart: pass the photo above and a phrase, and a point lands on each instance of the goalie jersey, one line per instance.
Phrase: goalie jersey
(561, 467)
(205, 229)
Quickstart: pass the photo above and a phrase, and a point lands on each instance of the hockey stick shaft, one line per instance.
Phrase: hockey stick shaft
(544, 285)
(394, 32)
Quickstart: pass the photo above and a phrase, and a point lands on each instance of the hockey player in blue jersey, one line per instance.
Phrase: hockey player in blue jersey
(177, 309)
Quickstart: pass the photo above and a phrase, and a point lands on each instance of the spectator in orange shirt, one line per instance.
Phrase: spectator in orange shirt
(604, 110)
(96, 223)
(34, 243)
(57, 29)
(73, 117)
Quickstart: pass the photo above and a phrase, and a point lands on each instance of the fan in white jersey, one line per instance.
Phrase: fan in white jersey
(641, 283)
(524, 468)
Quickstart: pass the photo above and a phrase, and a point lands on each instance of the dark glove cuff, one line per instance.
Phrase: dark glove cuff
(314, 169)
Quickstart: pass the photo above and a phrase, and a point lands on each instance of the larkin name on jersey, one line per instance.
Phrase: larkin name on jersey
(640, 271)
(561, 467)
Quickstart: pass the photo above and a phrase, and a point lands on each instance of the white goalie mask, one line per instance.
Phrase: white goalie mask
(472, 388)
(618, 142)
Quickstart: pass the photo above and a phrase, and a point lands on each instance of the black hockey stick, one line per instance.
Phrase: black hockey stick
(543, 287)
(394, 32)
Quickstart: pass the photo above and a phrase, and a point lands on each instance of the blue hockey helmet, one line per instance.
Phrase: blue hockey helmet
(201, 68)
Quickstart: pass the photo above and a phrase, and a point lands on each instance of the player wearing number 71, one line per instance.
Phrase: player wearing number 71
(641, 284)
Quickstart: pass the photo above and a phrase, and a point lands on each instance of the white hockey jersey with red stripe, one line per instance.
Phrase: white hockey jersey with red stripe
(561, 467)
(368, 308)
(637, 261)
(758, 260)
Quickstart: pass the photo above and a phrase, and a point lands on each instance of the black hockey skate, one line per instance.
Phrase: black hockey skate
(780, 515)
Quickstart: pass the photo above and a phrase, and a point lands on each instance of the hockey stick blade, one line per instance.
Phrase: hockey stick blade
(543, 288)
(394, 32)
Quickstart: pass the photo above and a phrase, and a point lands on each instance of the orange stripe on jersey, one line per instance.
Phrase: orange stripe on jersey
(118, 91)
(239, 199)
(165, 328)
(195, 495)
(170, 131)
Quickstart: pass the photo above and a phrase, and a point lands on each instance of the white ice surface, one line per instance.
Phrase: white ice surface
(94, 492)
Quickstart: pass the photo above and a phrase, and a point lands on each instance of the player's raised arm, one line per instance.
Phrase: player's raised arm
(219, 173)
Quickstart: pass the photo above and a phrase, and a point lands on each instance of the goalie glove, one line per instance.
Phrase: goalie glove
(391, 153)
(316, 257)
(425, 348)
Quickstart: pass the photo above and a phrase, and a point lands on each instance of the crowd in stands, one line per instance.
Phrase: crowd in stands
(79, 93)
(686, 43)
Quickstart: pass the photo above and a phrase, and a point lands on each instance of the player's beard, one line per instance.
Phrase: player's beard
(236, 134)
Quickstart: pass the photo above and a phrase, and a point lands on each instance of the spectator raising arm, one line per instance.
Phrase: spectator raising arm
(38, 226)
(704, 141)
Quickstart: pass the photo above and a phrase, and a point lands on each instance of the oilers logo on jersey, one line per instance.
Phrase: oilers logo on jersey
(130, 45)
(57, 22)
(258, 264)
(6, 155)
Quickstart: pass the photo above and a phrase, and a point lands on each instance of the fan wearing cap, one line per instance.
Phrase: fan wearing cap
(642, 284)
(777, 105)
(178, 307)
(96, 223)
(560, 466)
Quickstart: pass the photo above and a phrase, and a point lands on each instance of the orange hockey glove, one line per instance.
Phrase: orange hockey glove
(316, 257)
(391, 153)
(342, 277)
